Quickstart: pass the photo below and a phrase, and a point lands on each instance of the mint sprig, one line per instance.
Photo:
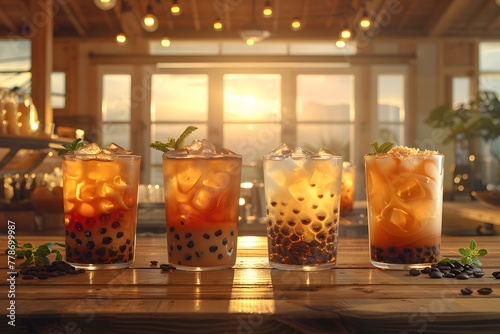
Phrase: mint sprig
(469, 255)
(172, 143)
(37, 255)
(71, 147)
(384, 148)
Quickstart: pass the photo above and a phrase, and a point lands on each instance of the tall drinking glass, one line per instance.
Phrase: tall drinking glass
(302, 192)
(202, 190)
(100, 206)
(404, 190)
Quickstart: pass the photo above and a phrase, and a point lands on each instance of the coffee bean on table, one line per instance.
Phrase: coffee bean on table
(485, 291)
(463, 276)
(466, 291)
(478, 274)
(414, 272)
(436, 274)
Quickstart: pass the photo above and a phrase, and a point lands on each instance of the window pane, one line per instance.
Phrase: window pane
(252, 141)
(58, 90)
(253, 97)
(490, 82)
(116, 97)
(460, 90)
(489, 53)
(390, 132)
(179, 97)
(390, 98)
(325, 98)
(333, 137)
(116, 133)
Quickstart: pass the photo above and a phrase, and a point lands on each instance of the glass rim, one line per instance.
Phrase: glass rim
(385, 155)
(312, 157)
(86, 157)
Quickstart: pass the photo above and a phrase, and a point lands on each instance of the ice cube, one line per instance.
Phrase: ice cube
(282, 150)
(106, 190)
(85, 192)
(202, 200)
(69, 190)
(187, 178)
(396, 221)
(217, 181)
(86, 210)
(90, 148)
(225, 151)
(299, 153)
(115, 149)
(324, 152)
(319, 178)
(201, 147)
(300, 190)
(105, 206)
(431, 170)
(411, 163)
(233, 166)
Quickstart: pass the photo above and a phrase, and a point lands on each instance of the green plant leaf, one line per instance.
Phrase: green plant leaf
(472, 244)
(384, 148)
(476, 261)
(179, 143)
(463, 251)
(482, 252)
(173, 144)
(72, 147)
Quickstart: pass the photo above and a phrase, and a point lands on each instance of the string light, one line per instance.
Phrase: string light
(218, 25)
(105, 4)
(296, 24)
(165, 42)
(267, 11)
(365, 21)
(340, 43)
(121, 39)
(345, 33)
(175, 10)
(149, 21)
(250, 41)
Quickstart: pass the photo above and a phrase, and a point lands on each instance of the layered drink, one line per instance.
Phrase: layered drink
(302, 192)
(404, 189)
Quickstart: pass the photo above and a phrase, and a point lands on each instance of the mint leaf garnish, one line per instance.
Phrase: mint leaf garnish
(384, 148)
(173, 144)
(72, 147)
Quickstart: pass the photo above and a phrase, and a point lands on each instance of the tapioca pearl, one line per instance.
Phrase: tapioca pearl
(224, 242)
(107, 240)
(188, 257)
(190, 244)
(274, 204)
(103, 230)
(182, 222)
(299, 230)
(206, 236)
(88, 255)
(76, 251)
(90, 244)
(291, 222)
(321, 236)
(294, 238)
(314, 206)
(296, 211)
(335, 211)
(320, 196)
(282, 213)
(321, 215)
(112, 253)
(230, 251)
(79, 226)
(119, 235)
(329, 224)
(300, 199)
(213, 249)
(177, 237)
(78, 242)
(279, 222)
(171, 247)
(198, 254)
(179, 247)
(122, 248)
(88, 234)
(316, 227)
(269, 222)
(220, 256)
(218, 233)
(171, 229)
(128, 241)
(284, 203)
(188, 235)
(285, 230)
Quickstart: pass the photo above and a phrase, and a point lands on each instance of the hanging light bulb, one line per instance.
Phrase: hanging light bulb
(218, 25)
(149, 21)
(165, 42)
(296, 24)
(175, 10)
(365, 21)
(105, 4)
(267, 11)
(345, 33)
(340, 43)
(121, 39)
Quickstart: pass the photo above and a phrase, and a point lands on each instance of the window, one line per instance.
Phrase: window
(58, 90)
(252, 114)
(177, 101)
(390, 108)
(489, 67)
(116, 93)
(325, 112)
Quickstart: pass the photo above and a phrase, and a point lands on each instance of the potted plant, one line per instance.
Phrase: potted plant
(475, 129)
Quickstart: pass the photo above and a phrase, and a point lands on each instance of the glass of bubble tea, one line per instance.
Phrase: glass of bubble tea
(404, 189)
(202, 190)
(100, 187)
(302, 192)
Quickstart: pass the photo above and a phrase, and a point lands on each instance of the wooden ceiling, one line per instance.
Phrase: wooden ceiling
(321, 19)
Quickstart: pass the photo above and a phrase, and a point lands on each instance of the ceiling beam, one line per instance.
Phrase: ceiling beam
(276, 15)
(478, 13)
(304, 12)
(446, 19)
(405, 16)
(196, 16)
(73, 19)
(495, 22)
(6, 21)
(333, 14)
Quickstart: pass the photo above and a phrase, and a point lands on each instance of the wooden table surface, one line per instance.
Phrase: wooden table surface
(354, 297)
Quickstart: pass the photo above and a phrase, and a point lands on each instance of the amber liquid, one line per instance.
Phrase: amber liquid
(404, 198)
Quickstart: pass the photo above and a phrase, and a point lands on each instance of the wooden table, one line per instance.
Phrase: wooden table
(253, 298)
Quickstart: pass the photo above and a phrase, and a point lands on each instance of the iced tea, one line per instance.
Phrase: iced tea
(202, 189)
(100, 206)
(404, 190)
(302, 192)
